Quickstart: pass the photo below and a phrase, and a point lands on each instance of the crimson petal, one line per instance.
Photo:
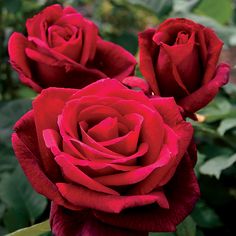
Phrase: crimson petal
(201, 97)
(80, 223)
(155, 219)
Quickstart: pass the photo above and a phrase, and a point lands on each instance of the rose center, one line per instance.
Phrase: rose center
(58, 35)
(182, 38)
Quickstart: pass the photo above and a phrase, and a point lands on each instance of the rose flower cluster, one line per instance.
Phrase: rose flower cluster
(113, 152)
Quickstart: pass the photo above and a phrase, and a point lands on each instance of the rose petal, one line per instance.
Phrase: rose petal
(127, 144)
(214, 46)
(98, 168)
(147, 50)
(105, 130)
(52, 140)
(103, 88)
(75, 175)
(52, 68)
(69, 10)
(19, 61)
(83, 197)
(139, 174)
(73, 19)
(94, 154)
(46, 118)
(114, 60)
(86, 139)
(65, 222)
(90, 33)
(177, 141)
(169, 79)
(186, 59)
(25, 145)
(36, 25)
(135, 83)
(154, 219)
(201, 97)
(164, 167)
(169, 110)
(77, 111)
(71, 49)
(152, 127)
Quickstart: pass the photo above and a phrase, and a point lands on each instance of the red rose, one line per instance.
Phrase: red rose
(179, 59)
(110, 155)
(63, 49)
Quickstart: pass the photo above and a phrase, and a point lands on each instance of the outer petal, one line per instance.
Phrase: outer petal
(185, 58)
(201, 97)
(69, 10)
(168, 77)
(214, 46)
(46, 118)
(83, 223)
(113, 60)
(25, 145)
(55, 69)
(135, 83)
(75, 175)
(19, 61)
(90, 32)
(147, 52)
(168, 109)
(83, 197)
(37, 25)
(155, 219)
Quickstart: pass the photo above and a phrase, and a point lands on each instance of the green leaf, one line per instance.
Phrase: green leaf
(187, 227)
(161, 7)
(205, 216)
(127, 40)
(212, 150)
(215, 166)
(222, 11)
(226, 125)
(200, 160)
(8, 160)
(199, 233)
(35, 230)
(218, 109)
(161, 234)
(13, 5)
(3, 231)
(10, 113)
(2, 209)
(203, 132)
(184, 5)
(25, 92)
(230, 89)
(23, 204)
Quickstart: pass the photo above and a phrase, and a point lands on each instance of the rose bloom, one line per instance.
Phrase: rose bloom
(113, 161)
(63, 49)
(179, 59)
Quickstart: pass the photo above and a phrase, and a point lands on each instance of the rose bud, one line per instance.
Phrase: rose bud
(110, 158)
(179, 59)
(63, 49)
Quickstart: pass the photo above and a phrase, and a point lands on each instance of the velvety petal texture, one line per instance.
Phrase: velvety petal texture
(179, 59)
(108, 157)
(63, 49)
(63, 223)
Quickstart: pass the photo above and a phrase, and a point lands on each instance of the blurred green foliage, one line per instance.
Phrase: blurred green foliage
(120, 21)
